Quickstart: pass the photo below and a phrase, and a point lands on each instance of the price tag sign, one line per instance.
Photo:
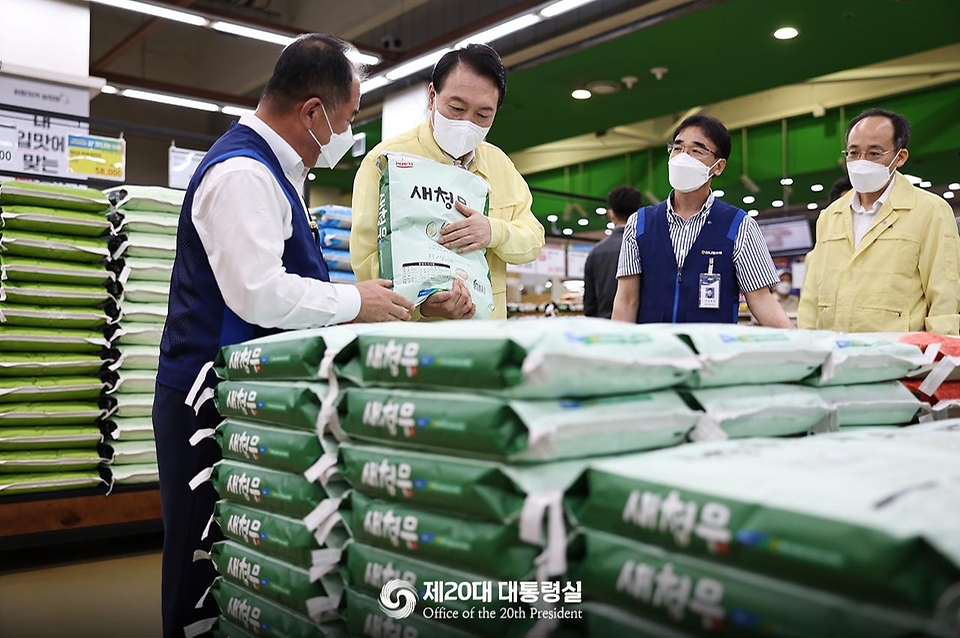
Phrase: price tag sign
(8, 147)
(98, 157)
(181, 165)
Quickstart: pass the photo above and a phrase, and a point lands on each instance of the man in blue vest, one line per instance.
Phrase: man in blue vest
(248, 264)
(688, 259)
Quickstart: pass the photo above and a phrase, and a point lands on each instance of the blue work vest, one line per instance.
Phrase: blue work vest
(199, 322)
(669, 294)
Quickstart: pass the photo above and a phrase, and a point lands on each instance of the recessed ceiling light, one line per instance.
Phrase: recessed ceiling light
(913, 179)
(812, 206)
(954, 186)
(777, 203)
(753, 212)
(718, 193)
(611, 226)
(816, 188)
(311, 176)
(581, 94)
(786, 181)
(604, 87)
(785, 33)
(583, 221)
(749, 199)
(567, 231)
(948, 195)
(608, 232)
(552, 218)
(601, 210)
(926, 184)
(109, 90)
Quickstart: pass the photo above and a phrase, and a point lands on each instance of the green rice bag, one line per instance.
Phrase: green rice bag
(130, 452)
(135, 474)
(25, 339)
(368, 569)
(698, 595)
(146, 198)
(135, 382)
(475, 425)
(138, 334)
(436, 538)
(313, 592)
(134, 405)
(25, 269)
(51, 294)
(294, 405)
(265, 618)
(138, 358)
(130, 429)
(226, 629)
(872, 403)
(135, 222)
(267, 447)
(143, 246)
(55, 460)
(417, 200)
(281, 537)
(366, 619)
(148, 293)
(44, 438)
(49, 196)
(865, 358)
(733, 355)
(54, 247)
(771, 410)
(49, 364)
(51, 414)
(268, 490)
(482, 490)
(52, 221)
(53, 316)
(143, 313)
(39, 389)
(40, 482)
(142, 269)
(841, 512)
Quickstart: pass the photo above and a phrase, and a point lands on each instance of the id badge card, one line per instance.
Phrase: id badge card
(709, 291)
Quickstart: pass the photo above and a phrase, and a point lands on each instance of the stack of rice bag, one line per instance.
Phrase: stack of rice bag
(145, 229)
(334, 237)
(58, 306)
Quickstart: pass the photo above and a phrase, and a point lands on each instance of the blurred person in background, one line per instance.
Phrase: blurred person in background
(600, 270)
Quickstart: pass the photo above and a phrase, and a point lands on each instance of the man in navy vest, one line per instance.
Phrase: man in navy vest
(695, 252)
(248, 264)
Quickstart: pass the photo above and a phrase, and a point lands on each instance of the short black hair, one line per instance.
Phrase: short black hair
(713, 128)
(840, 187)
(624, 201)
(479, 58)
(313, 65)
(901, 125)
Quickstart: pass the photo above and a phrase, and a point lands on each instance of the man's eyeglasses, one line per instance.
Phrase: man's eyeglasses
(694, 151)
(873, 156)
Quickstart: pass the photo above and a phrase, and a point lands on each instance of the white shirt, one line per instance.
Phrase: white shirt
(863, 218)
(243, 218)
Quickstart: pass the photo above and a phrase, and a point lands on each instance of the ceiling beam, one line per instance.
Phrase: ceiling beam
(138, 34)
(177, 89)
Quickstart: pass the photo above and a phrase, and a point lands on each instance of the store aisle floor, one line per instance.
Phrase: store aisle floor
(104, 596)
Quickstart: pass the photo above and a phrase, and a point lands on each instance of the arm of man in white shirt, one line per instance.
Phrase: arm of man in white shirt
(239, 214)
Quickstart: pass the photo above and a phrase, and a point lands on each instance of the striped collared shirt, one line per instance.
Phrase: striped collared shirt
(751, 257)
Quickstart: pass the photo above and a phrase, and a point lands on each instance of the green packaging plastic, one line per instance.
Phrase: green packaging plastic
(45, 438)
(42, 482)
(139, 358)
(56, 247)
(23, 339)
(293, 405)
(54, 317)
(56, 294)
(146, 198)
(887, 403)
(130, 452)
(144, 269)
(268, 447)
(49, 364)
(865, 358)
(366, 619)
(265, 618)
(55, 460)
(131, 429)
(25, 269)
(79, 198)
(770, 410)
(58, 222)
(138, 334)
(39, 389)
(50, 414)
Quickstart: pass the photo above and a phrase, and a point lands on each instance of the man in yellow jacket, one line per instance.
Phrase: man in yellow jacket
(467, 88)
(887, 257)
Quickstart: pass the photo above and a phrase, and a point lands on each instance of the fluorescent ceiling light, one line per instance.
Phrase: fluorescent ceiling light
(786, 181)
(236, 111)
(501, 30)
(608, 232)
(157, 11)
(786, 33)
(948, 195)
(567, 231)
(574, 285)
(913, 179)
(926, 184)
(562, 6)
(777, 203)
(611, 226)
(581, 94)
(373, 84)
(816, 188)
(109, 90)
(170, 99)
(812, 206)
(753, 212)
(583, 221)
(311, 176)
(954, 186)
(365, 59)
(254, 34)
(718, 193)
(601, 210)
(417, 64)
(749, 199)
(552, 218)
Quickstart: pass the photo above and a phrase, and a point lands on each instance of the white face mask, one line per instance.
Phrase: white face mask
(457, 137)
(867, 176)
(784, 288)
(688, 174)
(336, 148)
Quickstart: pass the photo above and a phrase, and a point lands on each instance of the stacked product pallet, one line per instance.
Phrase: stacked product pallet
(459, 439)
(58, 305)
(145, 227)
(334, 237)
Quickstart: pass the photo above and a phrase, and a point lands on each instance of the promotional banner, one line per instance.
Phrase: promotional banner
(98, 157)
